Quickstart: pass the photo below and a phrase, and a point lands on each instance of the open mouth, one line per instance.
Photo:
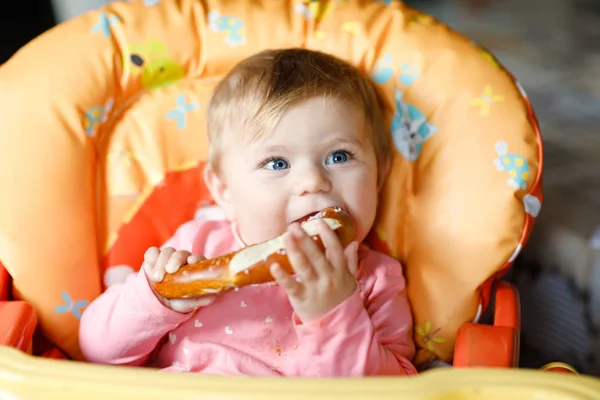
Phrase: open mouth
(251, 255)
(307, 217)
(313, 215)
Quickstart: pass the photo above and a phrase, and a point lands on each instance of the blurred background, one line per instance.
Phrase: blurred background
(553, 48)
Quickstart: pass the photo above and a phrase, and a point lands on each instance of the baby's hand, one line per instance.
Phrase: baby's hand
(157, 263)
(325, 279)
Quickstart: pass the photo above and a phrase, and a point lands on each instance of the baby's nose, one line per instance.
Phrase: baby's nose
(313, 180)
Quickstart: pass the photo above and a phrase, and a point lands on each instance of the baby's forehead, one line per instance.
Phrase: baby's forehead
(325, 117)
(301, 140)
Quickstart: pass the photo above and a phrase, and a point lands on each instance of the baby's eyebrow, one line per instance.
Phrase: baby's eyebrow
(346, 140)
(337, 140)
(274, 148)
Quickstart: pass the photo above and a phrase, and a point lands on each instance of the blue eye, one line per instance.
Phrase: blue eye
(338, 157)
(276, 164)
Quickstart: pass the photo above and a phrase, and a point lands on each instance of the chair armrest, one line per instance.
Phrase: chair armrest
(480, 345)
(507, 308)
(18, 321)
(497, 345)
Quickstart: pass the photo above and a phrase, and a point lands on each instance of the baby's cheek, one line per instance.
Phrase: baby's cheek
(260, 216)
(261, 229)
(364, 211)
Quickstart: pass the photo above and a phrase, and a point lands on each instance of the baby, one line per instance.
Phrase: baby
(291, 132)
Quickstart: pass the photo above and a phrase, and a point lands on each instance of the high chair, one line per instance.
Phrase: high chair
(102, 144)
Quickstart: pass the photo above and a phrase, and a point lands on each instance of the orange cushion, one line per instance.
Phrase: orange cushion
(106, 138)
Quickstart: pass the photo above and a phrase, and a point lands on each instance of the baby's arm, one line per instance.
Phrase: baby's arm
(362, 339)
(127, 322)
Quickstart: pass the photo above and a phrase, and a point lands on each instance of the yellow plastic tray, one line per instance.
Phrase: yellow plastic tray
(26, 377)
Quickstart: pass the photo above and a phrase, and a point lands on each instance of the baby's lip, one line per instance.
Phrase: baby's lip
(312, 214)
(306, 217)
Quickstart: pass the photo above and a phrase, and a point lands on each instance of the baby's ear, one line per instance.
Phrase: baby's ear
(218, 189)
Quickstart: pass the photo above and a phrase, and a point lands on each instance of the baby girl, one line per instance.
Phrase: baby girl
(291, 132)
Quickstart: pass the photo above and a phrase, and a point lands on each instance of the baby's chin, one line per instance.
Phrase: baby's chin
(251, 237)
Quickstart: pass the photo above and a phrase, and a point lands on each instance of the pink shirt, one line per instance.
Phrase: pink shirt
(253, 330)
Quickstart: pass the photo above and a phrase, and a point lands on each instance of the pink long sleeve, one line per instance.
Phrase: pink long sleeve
(126, 323)
(363, 337)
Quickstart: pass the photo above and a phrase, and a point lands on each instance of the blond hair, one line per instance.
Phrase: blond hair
(255, 94)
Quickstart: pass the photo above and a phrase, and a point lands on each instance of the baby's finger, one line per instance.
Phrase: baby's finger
(316, 257)
(195, 258)
(188, 305)
(300, 263)
(351, 255)
(176, 260)
(163, 258)
(153, 274)
(291, 286)
(333, 247)
(150, 258)
(151, 255)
